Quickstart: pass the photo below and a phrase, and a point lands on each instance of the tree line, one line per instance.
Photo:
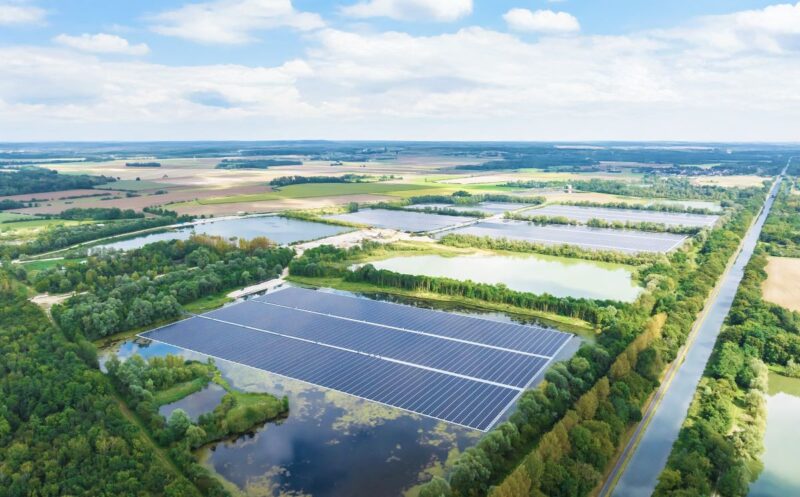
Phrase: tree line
(39, 180)
(565, 451)
(720, 442)
(119, 297)
(61, 430)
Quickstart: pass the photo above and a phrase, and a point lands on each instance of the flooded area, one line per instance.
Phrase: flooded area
(558, 276)
(781, 441)
(278, 229)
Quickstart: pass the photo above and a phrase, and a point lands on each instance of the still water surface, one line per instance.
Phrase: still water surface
(331, 444)
(278, 229)
(558, 276)
(780, 476)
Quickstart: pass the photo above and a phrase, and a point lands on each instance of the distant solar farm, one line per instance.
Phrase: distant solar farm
(629, 241)
(583, 214)
(463, 370)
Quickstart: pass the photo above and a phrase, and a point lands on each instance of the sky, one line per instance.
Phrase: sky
(538, 70)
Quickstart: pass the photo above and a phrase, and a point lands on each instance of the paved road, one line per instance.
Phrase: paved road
(640, 475)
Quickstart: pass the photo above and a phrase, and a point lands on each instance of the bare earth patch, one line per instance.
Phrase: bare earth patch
(742, 181)
(781, 286)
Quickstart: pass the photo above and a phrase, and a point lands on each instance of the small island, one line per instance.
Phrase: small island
(147, 384)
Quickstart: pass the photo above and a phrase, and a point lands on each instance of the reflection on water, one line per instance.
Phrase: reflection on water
(278, 229)
(558, 276)
(780, 476)
(331, 444)
(197, 403)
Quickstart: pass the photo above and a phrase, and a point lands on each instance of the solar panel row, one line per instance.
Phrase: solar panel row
(530, 339)
(442, 396)
(475, 361)
(455, 368)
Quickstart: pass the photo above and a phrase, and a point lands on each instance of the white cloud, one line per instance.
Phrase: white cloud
(14, 14)
(474, 83)
(232, 21)
(411, 10)
(541, 21)
(101, 43)
(774, 29)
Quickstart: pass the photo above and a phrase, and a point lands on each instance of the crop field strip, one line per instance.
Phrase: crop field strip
(628, 241)
(583, 214)
(450, 379)
(415, 222)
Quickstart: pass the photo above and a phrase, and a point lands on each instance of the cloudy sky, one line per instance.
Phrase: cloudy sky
(726, 70)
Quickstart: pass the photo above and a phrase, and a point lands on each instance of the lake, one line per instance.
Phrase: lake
(331, 444)
(558, 276)
(280, 230)
(781, 441)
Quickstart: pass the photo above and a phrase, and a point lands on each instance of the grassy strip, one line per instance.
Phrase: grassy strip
(179, 391)
(575, 325)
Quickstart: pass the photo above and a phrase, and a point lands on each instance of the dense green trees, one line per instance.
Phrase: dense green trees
(100, 213)
(781, 233)
(654, 186)
(345, 178)
(657, 207)
(40, 180)
(61, 431)
(575, 420)
(133, 289)
(720, 442)
(585, 309)
(59, 237)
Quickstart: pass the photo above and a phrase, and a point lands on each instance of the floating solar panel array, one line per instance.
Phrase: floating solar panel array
(581, 236)
(458, 369)
(414, 222)
(584, 214)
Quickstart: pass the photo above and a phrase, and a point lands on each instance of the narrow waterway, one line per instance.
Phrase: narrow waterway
(640, 476)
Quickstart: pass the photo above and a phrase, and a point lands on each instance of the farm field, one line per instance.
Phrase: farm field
(781, 286)
(312, 190)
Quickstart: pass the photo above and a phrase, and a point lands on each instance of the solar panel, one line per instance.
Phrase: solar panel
(455, 368)
(446, 397)
(524, 338)
(474, 361)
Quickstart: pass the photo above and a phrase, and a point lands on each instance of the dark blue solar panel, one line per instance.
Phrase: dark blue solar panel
(443, 396)
(477, 361)
(531, 339)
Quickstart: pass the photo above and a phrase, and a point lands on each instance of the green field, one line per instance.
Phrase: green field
(10, 216)
(312, 190)
(131, 185)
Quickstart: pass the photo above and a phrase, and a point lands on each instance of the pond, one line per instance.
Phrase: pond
(278, 229)
(558, 276)
(197, 403)
(781, 441)
(331, 444)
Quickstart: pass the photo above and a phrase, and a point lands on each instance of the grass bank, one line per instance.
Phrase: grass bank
(577, 326)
